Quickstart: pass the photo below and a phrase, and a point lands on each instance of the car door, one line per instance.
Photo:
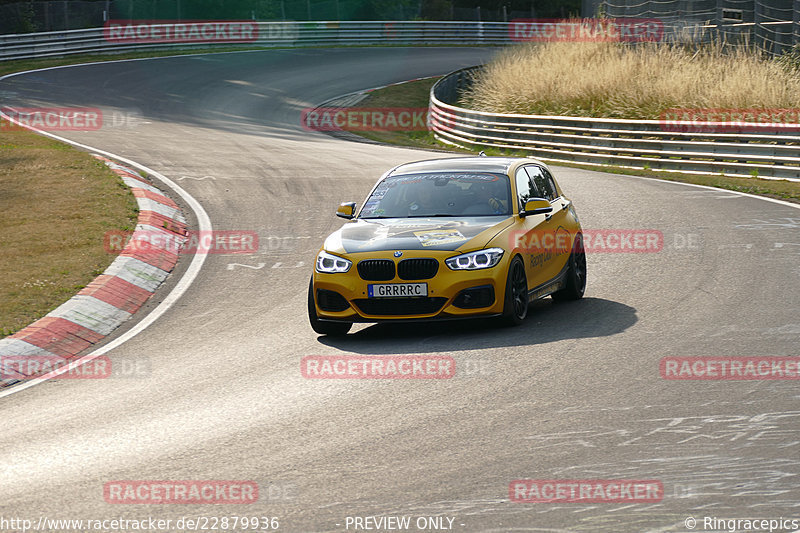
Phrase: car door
(531, 233)
(559, 246)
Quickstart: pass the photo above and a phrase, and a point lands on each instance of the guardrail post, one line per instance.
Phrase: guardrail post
(796, 23)
(664, 144)
(759, 33)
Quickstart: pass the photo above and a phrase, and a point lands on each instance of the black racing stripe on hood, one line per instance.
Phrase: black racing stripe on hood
(373, 235)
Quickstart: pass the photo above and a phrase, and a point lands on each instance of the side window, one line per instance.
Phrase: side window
(543, 181)
(552, 182)
(525, 188)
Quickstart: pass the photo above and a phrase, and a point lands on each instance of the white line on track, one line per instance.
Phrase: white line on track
(716, 189)
(203, 222)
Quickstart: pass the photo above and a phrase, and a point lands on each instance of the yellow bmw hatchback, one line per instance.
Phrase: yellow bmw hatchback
(449, 238)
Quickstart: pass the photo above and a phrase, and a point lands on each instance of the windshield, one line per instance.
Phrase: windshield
(440, 195)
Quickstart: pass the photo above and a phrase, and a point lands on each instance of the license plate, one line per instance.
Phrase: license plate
(395, 290)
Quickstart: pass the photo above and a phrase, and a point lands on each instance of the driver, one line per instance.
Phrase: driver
(422, 199)
(487, 197)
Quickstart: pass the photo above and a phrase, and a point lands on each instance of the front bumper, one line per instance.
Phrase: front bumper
(452, 294)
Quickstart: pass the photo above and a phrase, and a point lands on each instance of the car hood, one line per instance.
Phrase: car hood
(371, 235)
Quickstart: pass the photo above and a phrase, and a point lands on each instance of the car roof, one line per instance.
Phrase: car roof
(462, 164)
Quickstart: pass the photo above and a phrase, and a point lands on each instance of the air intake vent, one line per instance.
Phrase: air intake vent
(331, 301)
(400, 306)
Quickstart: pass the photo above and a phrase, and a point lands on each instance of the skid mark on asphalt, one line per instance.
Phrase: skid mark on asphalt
(772, 223)
(259, 266)
(201, 178)
(707, 195)
(711, 430)
(727, 330)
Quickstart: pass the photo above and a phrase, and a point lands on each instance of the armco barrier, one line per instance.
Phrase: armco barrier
(640, 144)
(270, 34)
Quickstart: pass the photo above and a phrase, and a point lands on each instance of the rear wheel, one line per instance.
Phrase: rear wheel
(516, 301)
(576, 274)
(321, 326)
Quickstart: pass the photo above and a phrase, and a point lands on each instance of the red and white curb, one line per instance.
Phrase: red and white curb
(111, 298)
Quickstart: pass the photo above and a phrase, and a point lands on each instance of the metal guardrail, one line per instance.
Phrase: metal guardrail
(638, 144)
(344, 33)
(270, 35)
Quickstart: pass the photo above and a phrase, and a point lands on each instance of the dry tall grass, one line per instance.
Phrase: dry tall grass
(613, 80)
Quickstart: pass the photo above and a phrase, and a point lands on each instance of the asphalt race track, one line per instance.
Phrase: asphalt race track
(574, 393)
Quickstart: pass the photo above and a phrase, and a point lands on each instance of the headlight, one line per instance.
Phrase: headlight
(475, 260)
(332, 264)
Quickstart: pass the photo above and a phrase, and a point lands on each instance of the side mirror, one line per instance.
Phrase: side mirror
(536, 206)
(346, 210)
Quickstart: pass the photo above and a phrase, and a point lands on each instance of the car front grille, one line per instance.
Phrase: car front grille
(400, 306)
(376, 269)
(410, 269)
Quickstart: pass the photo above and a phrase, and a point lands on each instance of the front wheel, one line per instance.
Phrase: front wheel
(576, 274)
(321, 326)
(516, 302)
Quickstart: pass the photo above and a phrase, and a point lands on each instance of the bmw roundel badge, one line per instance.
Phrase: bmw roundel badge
(398, 253)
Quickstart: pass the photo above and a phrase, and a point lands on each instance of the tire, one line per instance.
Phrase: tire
(576, 274)
(515, 308)
(334, 329)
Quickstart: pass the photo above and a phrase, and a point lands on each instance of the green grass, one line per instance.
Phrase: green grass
(56, 203)
(411, 94)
